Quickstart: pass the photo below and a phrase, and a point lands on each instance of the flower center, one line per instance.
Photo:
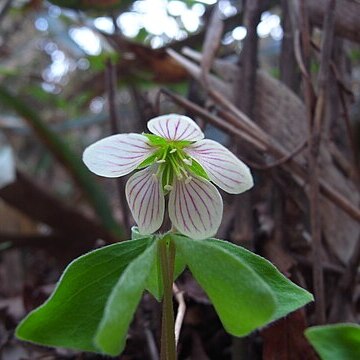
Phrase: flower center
(173, 162)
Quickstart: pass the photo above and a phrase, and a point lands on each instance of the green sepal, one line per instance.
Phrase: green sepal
(156, 140)
(71, 316)
(335, 342)
(197, 169)
(149, 160)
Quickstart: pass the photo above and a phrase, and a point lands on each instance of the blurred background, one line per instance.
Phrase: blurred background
(283, 95)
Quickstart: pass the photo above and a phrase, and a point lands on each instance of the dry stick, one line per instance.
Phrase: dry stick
(346, 117)
(212, 42)
(288, 69)
(343, 89)
(284, 159)
(154, 354)
(229, 128)
(245, 95)
(111, 82)
(256, 136)
(244, 89)
(297, 172)
(249, 126)
(315, 125)
(179, 296)
(315, 129)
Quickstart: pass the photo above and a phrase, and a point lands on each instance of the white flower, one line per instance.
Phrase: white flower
(176, 160)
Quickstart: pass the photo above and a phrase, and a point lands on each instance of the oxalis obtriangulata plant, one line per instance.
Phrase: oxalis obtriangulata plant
(96, 297)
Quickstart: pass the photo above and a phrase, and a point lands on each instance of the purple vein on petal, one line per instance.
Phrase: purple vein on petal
(150, 197)
(182, 134)
(140, 180)
(167, 128)
(178, 208)
(187, 207)
(176, 128)
(203, 202)
(196, 208)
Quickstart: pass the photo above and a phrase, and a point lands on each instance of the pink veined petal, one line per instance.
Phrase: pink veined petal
(117, 155)
(222, 166)
(145, 197)
(195, 208)
(175, 127)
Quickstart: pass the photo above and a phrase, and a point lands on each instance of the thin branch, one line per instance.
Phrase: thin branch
(315, 122)
(346, 117)
(284, 159)
(245, 89)
(153, 350)
(298, 173)
(111, 81)
(179, 296)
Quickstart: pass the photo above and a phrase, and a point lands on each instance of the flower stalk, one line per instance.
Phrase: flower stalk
(167, 259)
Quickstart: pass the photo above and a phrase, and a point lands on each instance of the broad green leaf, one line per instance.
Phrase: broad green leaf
(122, 303)
(67, 157)
(241, 298)
(71, 316)
(335, 342)
(289, 296)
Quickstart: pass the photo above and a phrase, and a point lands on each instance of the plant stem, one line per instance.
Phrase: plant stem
(167, 258)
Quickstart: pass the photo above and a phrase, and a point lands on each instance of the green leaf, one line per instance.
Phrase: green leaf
(241, 298)
(289, 296)
(71, 316)
(122, 303)
(68, 158)
(335, 342)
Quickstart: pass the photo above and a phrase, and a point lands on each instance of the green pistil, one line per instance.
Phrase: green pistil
(172, 161)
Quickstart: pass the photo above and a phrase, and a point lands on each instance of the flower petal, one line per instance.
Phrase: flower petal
(175, 127)
(222, 166)
(195, 208)
(145, 197)
(117, 155)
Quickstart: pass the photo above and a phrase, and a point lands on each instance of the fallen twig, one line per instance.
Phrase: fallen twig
(179, 296)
